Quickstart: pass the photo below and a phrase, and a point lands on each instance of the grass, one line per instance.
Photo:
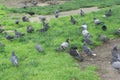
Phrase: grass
(51, 65)
(70, 5)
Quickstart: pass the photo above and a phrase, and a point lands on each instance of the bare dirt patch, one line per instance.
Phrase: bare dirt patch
(102, 61)
(20, 3)
(65, 13)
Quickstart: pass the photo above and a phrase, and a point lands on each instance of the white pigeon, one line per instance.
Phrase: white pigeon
(84, 27)
(65, 44)
(85, 33)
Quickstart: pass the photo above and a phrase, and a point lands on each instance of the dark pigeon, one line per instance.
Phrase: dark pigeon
(104, 27)
(108, 13)
(75, 53)
(72, 20)
(25, 19)
(16, 21)
(8, 37)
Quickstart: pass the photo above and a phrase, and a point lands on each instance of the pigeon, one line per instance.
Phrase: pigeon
(8, 37)
(117, 32)
(97, 21)
(45, 28)
(85, 33)
(17, 21)
(88, 40)
(56, 13)
(82, 13)
(103, 38)
(104, 27)
(42, 18)
(25, 19)
(65, 44)
(115, 51)
(18, 34)
(115, 62)
(39, 48)
(14, 59)
(88, 50)
(116, 65)
(84, 26)
(72, 20)
(25, 5)
(75, 53)
(34, 3)
(109, 13)
(30, 29)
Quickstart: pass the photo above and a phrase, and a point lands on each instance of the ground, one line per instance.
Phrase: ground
(19, 3)
(102, 60)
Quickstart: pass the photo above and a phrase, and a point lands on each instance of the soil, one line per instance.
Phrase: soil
(102, 61)
(66, 13)
(20, 3)
(103, 58)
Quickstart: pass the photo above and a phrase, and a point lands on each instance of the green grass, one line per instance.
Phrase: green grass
(51, 65)
(70, 5)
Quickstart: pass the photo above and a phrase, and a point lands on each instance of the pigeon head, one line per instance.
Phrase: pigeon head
(115, 47)
(67, 40)
(13, 53)
(94, 18)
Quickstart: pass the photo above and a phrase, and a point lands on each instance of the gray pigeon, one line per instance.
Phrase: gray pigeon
(18, 34)
(117, 32)
(97, 21)
(39, 48)
(14, 59)
(73, 20)
(88, 40)
(88, 50)
(56, 13)
(42, 18)
(30, 29)
(116, 65)
(115, 51)
(103, 38)
(82, 13)
(115, 62)
(34, 3)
